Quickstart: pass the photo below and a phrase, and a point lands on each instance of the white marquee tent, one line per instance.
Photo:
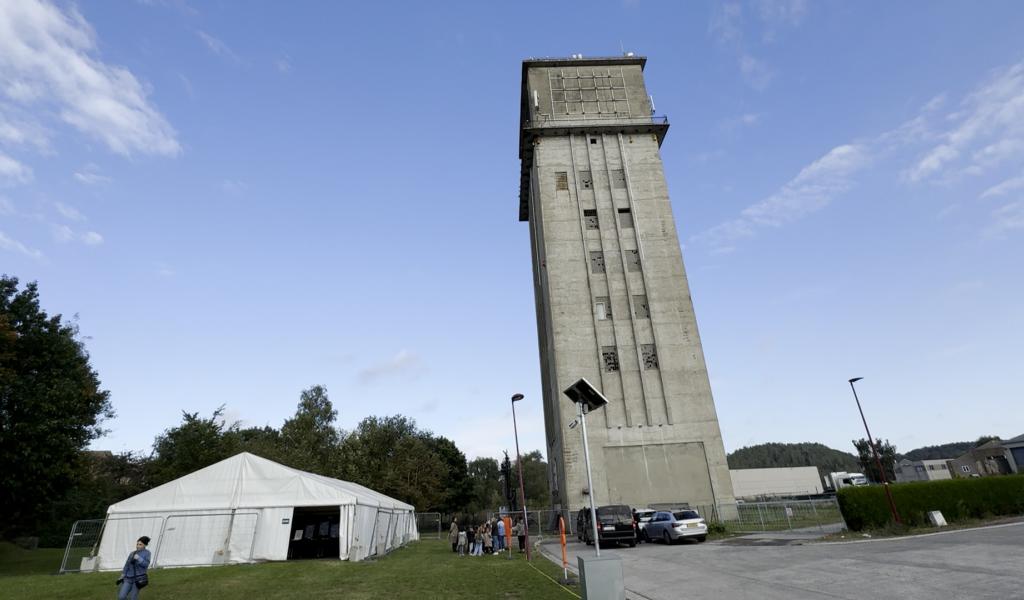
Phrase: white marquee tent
(246, 509)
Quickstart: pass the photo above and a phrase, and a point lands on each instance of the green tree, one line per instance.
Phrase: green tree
(51, 407)
(485, 485)
(391, 456)
(535, 478)
(309, 440)
(194, 444)
(456, 483)
(804, 454)
(887, 455)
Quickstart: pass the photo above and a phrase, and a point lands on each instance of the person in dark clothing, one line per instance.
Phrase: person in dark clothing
(471, 538)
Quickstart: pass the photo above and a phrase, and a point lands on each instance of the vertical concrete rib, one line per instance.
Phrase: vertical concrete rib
(643, 274)
(607, 280)
(644, 393)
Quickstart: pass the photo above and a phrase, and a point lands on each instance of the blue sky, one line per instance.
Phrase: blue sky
(240, 200)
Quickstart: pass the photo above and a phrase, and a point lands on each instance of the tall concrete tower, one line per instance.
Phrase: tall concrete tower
(613, 304)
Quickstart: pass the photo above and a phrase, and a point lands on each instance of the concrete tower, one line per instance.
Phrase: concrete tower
(613, 304)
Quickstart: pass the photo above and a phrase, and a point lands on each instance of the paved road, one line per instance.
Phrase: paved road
(970, 564)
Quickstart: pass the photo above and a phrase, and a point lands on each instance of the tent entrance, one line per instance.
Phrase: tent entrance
(314, 532)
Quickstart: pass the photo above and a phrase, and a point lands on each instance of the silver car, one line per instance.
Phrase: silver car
(643, 517)
(671, 526)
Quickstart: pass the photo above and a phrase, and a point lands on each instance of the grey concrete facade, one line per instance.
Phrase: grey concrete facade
(613, 303)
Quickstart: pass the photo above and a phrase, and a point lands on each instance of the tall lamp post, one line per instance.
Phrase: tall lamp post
(519, 461)
(874, 451)
(587, 398)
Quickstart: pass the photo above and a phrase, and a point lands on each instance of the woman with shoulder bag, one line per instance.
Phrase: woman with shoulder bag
(134, 575)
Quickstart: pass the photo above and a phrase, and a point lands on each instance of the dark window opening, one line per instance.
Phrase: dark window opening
(650, 356)
(597, 262)
(561, 181)
(593, 140)
(625, 218)
(610, 357)
(590, 218)
(586, 180)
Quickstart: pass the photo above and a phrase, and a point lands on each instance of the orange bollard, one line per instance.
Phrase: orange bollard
(565, 560)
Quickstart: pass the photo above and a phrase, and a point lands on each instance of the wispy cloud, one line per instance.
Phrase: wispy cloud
(90, 175)
(987, 130)
(13, 245)
(68, 212)
(49, 58)
(64, 234)
(814, 188)
(778, 14)
(728, 23)
(218, 47)
(6, 206)
(1004, 187)
(13, 172)
(1007, 218)
(283, 65)
(403, 365)
(15, 131)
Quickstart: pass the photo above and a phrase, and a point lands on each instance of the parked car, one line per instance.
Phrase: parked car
(671, 526)
(614, 524)
(643, 516)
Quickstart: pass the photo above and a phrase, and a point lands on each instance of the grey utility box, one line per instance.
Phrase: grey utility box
(601, 578)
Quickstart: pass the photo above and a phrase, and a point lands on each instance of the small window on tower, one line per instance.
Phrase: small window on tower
(593, 140)
(643, 311)
(561, 181)
(586, 180)
(590, 218)
(597, 262)
(610, 358)
(625, 218)
(650, 356)
(618, 179)
(603, 307)
(632, 260)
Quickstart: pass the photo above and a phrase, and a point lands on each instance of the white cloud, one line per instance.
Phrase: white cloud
(90, 175)
(755, 72)
(1007, 218)
(988, 128)
(13, 172)
(1004, 187)
(48, 58)
(283, 65)
(403, 365)
(782, 12)
(218, 47)
(21, 131)
(726, 23)
(814, 188)
(69, 212)
(91, 238)
(13, 245)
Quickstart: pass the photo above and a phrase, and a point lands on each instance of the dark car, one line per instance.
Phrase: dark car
(614, 524)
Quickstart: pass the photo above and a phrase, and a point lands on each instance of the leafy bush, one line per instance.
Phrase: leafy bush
(958, 499)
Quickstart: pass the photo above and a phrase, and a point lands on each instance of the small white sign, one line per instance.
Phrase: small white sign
(297, 536)
(789, 512)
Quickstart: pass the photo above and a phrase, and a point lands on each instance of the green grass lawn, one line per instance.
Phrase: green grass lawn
(425, 569)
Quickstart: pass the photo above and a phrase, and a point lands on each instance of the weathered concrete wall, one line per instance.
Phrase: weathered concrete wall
(599, 197)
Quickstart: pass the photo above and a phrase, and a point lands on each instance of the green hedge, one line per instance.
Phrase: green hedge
(958, 499)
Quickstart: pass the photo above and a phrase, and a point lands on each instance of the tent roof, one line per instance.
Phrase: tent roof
(249, 481)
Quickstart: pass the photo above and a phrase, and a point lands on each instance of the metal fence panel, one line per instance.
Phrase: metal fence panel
(429, 525)
(82, 550)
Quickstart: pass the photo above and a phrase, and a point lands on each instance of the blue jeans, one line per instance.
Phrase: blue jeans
(127, 591)
(499, 543)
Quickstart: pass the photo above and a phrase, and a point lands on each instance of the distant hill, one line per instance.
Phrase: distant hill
(805, 454)
(950, 450)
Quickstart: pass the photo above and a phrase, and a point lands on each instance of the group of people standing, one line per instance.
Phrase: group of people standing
(486, 538)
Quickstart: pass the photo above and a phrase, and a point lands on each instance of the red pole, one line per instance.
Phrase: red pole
(874, 451)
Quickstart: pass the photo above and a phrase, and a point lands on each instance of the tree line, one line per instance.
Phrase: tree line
(52, 407)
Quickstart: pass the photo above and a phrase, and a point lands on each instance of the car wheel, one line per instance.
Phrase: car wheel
(666, 537)
(632, 544)
(702, 538)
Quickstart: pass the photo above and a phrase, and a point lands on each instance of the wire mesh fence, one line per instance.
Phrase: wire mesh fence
(83, 547)
(429, 525)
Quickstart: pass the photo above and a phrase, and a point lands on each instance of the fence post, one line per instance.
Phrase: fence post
(759, 516)
(816, 519)
(789, 522)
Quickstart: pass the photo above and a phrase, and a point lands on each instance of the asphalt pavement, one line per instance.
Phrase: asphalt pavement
(971, 564)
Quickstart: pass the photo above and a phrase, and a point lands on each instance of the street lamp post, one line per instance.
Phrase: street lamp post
(519, 461)
(874, 451)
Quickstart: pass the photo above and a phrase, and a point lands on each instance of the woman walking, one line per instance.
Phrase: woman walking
(479, 549)
(134, 575)
(453, 534)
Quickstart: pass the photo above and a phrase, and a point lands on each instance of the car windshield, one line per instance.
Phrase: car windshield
(686, 514)
(607, 512)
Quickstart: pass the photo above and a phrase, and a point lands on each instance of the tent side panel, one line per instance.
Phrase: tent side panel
(272, 534)
(363, 532)
(120, 533)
